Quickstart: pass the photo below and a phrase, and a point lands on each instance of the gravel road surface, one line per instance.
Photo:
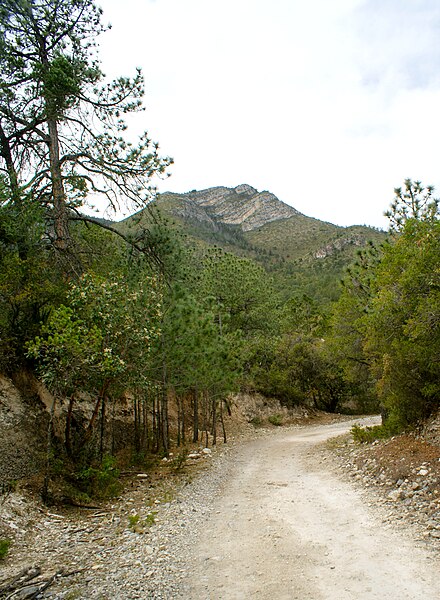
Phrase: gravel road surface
(284, 527)
(271, 518)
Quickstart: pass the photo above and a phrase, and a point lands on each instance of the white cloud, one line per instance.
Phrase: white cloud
(329, 105)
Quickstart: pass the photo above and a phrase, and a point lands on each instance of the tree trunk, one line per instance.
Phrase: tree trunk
(179, 417)
(113, 441)
(68, 437)
(154, 425)
(101, 439)
(195, 415)
(136, 424)
(205, 417)
(223, 422)
(6, 154)
(214, 420)
(145, 424)
(164, 404)
(45, 489)
(91, 425)
(164, 421)
(60, 215)
(61, 227)
(16, 194)
(182, 431)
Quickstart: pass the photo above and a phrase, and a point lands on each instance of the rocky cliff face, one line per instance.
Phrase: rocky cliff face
(242, 205)
(338, 245)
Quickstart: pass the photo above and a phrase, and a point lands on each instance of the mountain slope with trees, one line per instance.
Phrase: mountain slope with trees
(304, 255)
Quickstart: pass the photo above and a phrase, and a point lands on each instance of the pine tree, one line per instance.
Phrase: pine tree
(61, 125)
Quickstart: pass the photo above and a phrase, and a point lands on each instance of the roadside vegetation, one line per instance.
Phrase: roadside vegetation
(4, 548)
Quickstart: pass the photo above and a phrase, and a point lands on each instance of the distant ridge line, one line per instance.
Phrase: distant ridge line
(243, 205)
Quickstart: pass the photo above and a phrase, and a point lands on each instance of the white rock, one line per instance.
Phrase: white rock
(395, 495)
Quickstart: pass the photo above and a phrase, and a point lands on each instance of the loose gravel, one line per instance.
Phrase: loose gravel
(141, 546)
(135, 548)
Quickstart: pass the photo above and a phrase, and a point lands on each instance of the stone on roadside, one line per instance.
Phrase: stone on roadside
(396, 495)
(194, 456)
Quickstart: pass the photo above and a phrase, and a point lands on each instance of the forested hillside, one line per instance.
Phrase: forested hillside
(140, 331)
(304, 255)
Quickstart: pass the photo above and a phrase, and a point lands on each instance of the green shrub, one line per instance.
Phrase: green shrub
(133, 520)
(150, 519)
(141, 526)
(377, 432)
(179, 461)
(4, 548)
(276, 420)
(367, 434)
(101, 481)
(144, 460)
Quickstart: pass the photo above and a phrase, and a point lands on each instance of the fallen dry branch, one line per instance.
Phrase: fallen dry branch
(23, 576)
(17, 591)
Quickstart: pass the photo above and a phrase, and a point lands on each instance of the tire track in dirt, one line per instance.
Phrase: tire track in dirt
(285, 528)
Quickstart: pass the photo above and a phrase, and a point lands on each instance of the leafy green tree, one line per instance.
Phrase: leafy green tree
(98, 343)
(193, 362)
(413, 202)
(97, 251)
(302, 315)
(242, 291)
(403, 324)
(61, 125)
(293, 365)
(301, 371)
(30, 280)
(384, 327)
(346, 337)
(242, 296)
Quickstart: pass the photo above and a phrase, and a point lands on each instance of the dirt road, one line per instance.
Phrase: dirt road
(284, 527)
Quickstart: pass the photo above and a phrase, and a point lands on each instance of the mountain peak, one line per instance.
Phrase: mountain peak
(243, 205)
(244, 188)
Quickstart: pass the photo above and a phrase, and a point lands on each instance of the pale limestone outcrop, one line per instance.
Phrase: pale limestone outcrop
(338, 245)
(242, 205)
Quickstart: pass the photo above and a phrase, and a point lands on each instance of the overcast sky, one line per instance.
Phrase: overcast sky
(329, 104)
